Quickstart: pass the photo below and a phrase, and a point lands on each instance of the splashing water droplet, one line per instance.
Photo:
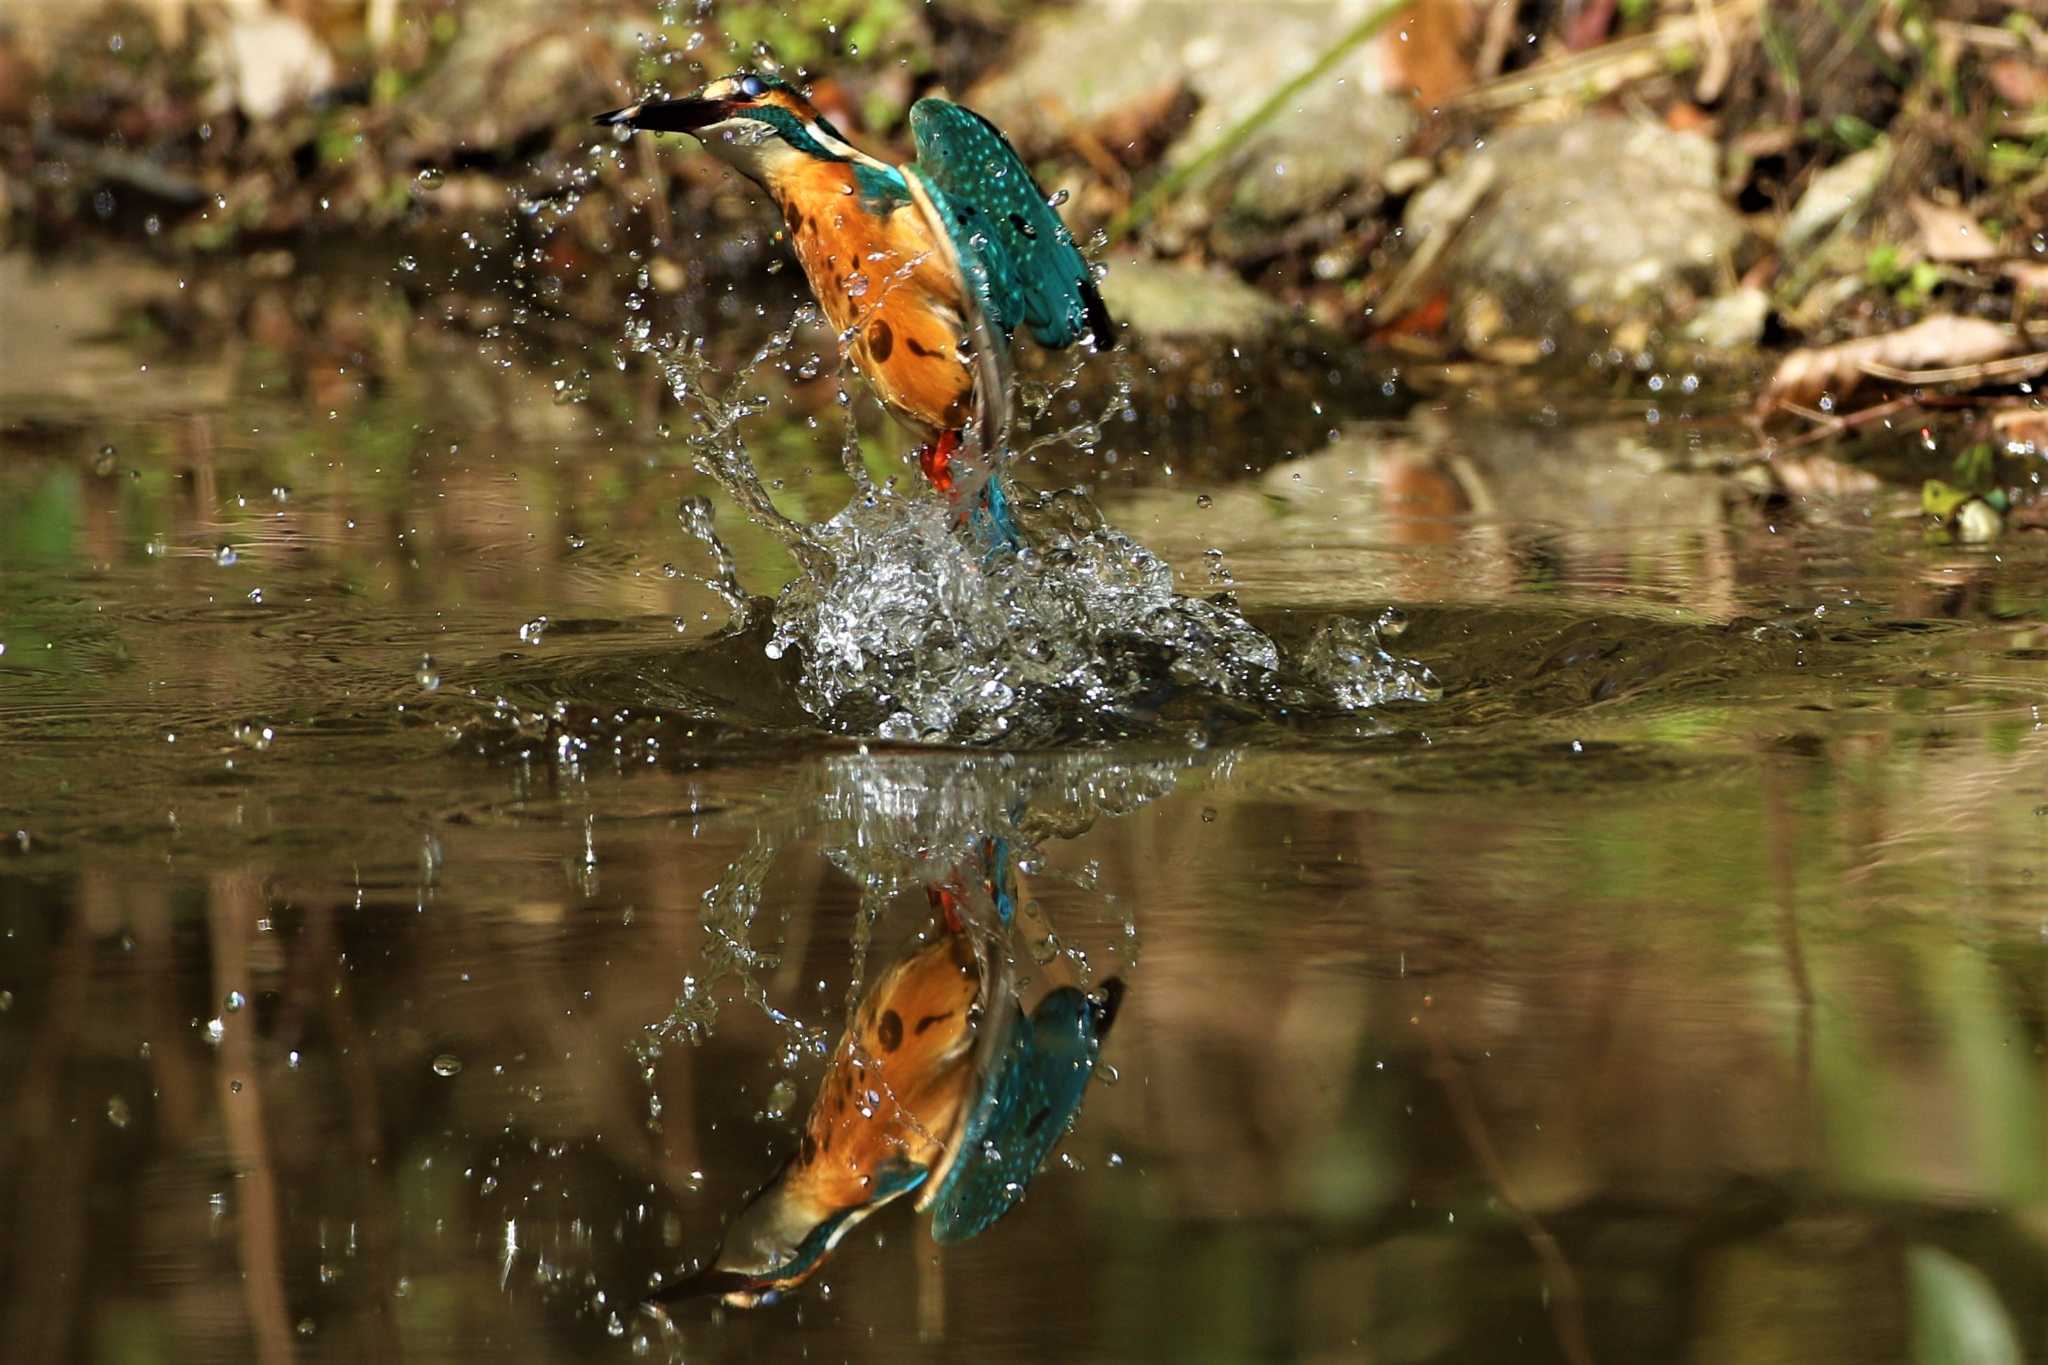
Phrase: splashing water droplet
(446, 1065)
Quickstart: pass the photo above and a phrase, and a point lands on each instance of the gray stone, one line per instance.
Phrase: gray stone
(1080, 65)
(1836, 192)
(1732, 322)
(1183, 302)
(524, 69)
(1590, 223)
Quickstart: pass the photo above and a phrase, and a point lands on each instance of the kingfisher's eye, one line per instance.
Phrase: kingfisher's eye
(753, 87)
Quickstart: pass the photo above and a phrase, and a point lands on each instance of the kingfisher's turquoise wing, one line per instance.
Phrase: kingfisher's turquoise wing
(1036, 276)
(1032, 1093)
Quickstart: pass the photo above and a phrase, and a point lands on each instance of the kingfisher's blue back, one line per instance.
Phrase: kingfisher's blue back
(1033, 275)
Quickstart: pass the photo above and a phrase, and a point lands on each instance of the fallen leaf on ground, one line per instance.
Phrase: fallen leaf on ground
(2021, 427)
(1936, 342)
(2028, 277)
(1426, 47)
(2019, 82)
(1951, 234)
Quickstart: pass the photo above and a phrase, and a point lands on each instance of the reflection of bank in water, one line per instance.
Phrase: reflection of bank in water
(942, 1086)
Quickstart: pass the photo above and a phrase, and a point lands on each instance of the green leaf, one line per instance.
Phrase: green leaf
(1937, 499)
(1957, 1316)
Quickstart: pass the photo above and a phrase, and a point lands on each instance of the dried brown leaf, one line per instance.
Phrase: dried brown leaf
(1807, 373)
(2029, 278)
(1427, 49)
(2021, 426)
(2019, 81)
(1952, 234)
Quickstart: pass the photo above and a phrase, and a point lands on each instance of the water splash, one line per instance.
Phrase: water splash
(912, 635)
(901, 628)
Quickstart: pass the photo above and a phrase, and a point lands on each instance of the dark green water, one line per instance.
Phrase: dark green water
(1676, 988)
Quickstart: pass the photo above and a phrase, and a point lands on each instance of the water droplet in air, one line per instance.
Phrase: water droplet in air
(117, 1111)
(426, 675)
(215, 1031)
(103, 463)
(447, 1065)
(235, 1000)
(408, 263)
(430, 179)
(6, 1001)
(531, 632)
(1203, 500)
(225, 556)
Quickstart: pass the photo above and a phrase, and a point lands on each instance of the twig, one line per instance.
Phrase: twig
(1841, 425)
(1395, 301)
(1715, 69)
(1141, 210)
(1493, 46)
(2010, 368)
(1994, 39)
(233, 905)
(1606, 68)
(1567, 1306)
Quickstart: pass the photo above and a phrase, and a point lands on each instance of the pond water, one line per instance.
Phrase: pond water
(423, 923)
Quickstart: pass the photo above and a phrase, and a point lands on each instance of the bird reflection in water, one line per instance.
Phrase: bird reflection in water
(942, 1087)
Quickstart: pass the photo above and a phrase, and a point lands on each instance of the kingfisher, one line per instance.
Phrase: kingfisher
(926, 269)
(941, 1085)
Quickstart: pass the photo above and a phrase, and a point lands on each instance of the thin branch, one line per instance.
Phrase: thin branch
(1567, 1304)
(1985, 371)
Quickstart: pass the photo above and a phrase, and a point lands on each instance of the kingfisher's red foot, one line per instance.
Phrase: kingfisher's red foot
(946, 902)
(936, 460)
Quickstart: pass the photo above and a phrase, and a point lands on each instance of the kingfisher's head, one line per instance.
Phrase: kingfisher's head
(759, 123)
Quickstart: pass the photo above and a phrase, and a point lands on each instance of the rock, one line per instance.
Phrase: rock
(1082, 66)
(517, 69)
(1733, 322)
(1587, 225)
(1835, 192)
(1165, 300)
(264, 63)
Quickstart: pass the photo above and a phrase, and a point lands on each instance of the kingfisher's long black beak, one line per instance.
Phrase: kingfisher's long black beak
(669, 116)
(712, 1282)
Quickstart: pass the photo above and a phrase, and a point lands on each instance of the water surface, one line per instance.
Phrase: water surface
(413, 902)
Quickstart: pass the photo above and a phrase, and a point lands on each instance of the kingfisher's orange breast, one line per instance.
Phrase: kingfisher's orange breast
(881, 277)
(898, 1080)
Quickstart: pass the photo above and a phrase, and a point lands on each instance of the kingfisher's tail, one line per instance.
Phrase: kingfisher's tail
(994, 525)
